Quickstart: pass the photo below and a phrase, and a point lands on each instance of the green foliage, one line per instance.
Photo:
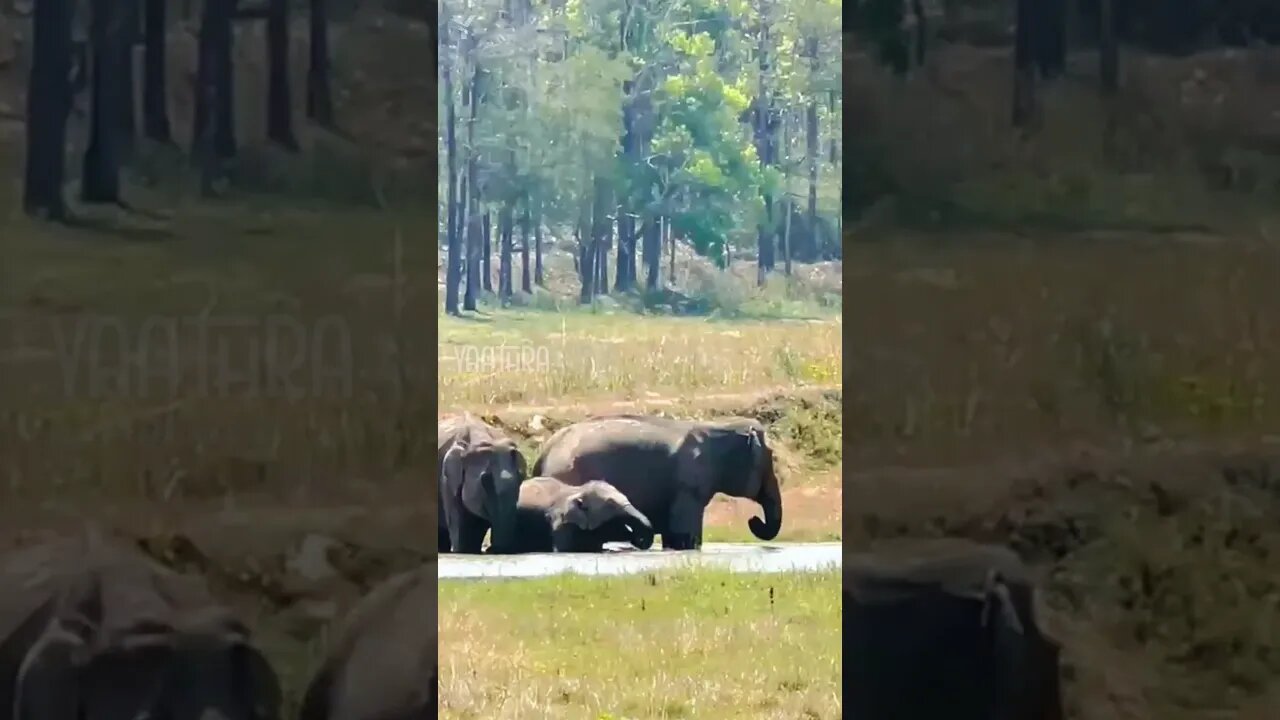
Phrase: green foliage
(559, 90)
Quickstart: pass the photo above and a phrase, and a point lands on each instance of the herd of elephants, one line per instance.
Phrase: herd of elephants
(91, 628)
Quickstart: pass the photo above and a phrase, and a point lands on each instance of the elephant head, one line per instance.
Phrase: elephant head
(77, 671)
(489, 473)
(600, 508)
(743, 466)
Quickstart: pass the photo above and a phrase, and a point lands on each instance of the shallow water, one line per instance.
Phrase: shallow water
(625, 560)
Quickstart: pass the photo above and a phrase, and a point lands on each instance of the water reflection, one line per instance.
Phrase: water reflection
(623, 560)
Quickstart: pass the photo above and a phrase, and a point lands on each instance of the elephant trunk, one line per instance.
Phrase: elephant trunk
(770, 499)
(641, 528)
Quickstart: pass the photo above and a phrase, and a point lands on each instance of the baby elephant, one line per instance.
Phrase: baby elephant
(552, 516)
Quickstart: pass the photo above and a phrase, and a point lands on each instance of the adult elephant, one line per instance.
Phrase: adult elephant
(945, 628)
(91, 628)
(480, 471)
(552, 516)
(382, 664)
(670, 469)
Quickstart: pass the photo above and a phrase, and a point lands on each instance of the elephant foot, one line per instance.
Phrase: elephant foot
(678, 541)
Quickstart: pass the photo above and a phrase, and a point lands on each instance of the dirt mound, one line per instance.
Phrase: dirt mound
(1160, 566)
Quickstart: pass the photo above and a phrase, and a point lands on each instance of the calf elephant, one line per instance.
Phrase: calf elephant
(91, 628)
(382, 664)
(945, 628)
(553, 516)
(480, 471)
(670, 469)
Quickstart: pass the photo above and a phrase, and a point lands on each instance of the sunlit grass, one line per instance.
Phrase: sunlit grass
(709, 645)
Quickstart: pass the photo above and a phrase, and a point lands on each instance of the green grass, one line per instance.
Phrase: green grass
(704, 645)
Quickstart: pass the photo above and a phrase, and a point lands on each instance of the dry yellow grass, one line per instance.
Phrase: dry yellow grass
(532, 357)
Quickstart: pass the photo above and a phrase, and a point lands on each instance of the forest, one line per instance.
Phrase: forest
(628, 128)
(89, 47)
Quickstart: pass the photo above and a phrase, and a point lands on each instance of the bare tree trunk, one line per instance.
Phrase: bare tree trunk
(279, 96)
(922, 30)
(129, 18)
(811, 149)
(671, 236)
(1024, 70)
(505, 232)
(1109, 48)
(48, 104)
(155, 97)
(586, 255)
(214, 105)
(537, 247)
(786, 238)
(473, 225)
(100, 177)
(486, 268)
(652, 252)
(319, 90)
(525, 278)
(453, 253)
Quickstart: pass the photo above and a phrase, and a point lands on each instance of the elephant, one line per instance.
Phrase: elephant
(480, 471)
(92, 628)
(552, 516)
(945, 628)
(670, 469)
(382, 664)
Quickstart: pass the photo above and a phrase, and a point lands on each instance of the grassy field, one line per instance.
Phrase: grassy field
(678, 645)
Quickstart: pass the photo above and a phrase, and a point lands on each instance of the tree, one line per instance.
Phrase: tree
(279, 97)
(48, 104)
(213, 131)
(100, 177)
(319, 90)
(155, 103)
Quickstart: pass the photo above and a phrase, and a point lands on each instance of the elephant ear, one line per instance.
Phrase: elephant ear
(451, 466)
(1009, 643)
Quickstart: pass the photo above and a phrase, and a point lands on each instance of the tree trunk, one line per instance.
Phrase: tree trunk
(671, 238)
(652, 252)
(48, 103)
(486, 268)
(1108, 48)
(453, 253)
(811, 148)
(155, 97)
(319, 91)
(786, 238)
(129, 18)
(763, 110)
(505, 233)
(279, 102)
(1024, 72)
(586, 255)
(525, 277)
(475, 231)
(100, 177)
(922, 30)
(473, 226)
(537, 248)
(214, 104)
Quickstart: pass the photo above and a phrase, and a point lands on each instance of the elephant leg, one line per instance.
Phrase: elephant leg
(684, 523)
(470, 536)
(453, 524)
(443, 542)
